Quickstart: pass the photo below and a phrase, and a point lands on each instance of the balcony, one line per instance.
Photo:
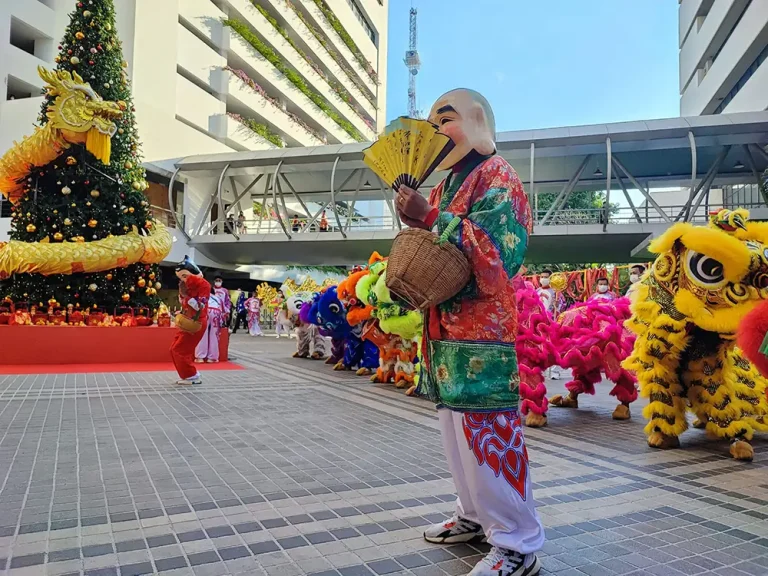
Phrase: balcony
(203, 18)
(196, 58)
(264, 28)
(23, 66)
(194, 105)
(250, 103)
(245, 57)
(321, 54)
(319, 21)
(236, 135)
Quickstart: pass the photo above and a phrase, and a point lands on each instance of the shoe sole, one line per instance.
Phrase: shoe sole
(533, 569)
(458, 539)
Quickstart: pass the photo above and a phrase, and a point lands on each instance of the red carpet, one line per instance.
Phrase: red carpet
(81, 345)
(7, 369)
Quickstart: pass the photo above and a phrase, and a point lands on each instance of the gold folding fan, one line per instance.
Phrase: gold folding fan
(407, 152)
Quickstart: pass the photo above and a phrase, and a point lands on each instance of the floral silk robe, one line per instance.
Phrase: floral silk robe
(469, 342)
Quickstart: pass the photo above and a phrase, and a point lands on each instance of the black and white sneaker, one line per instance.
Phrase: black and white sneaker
(500, 562)
(453, 531)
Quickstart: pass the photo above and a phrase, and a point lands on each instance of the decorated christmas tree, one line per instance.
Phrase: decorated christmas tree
(93, 191)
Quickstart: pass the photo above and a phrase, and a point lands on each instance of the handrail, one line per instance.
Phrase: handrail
(298, 224)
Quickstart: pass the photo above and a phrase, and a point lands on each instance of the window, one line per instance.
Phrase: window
(30, 40)
(738, 195)
(5, 208)
(742, 81)
(22, 36)
(18, 89)
(361, 18)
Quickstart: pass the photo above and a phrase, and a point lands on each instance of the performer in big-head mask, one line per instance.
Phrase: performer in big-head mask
(471, 365)
(194, 291)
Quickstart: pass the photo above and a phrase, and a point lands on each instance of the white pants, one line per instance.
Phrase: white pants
(283, 328)
(496, 492)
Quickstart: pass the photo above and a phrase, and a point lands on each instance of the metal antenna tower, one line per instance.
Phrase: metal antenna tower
(413, 63)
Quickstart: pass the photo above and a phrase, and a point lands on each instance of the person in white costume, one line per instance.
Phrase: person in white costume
(253, 307)
(548, 298)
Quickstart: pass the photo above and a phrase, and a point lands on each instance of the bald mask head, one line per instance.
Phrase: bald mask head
(466, 118)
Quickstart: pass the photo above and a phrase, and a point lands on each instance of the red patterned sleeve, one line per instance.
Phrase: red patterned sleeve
(198, 288)
(494, 235)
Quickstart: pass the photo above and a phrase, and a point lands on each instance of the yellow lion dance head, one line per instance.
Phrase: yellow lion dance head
(711, 276)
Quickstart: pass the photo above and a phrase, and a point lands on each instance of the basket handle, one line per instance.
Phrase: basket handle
(452, 225)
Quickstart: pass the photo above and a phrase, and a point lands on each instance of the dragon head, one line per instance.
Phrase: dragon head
(79, 113)
(711, 276)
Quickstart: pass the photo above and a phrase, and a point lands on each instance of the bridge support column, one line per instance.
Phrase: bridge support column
(608, 176)
(704, 185)
(755, 172)
(692, 141)
(172, 205)
(562, 198)
(617, 163)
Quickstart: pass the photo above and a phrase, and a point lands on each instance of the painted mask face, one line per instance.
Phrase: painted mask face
(467, 119)
(183, 274)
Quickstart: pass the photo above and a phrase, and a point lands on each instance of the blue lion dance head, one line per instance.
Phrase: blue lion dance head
(329, 314)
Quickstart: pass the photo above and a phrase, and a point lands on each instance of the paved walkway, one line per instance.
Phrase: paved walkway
(288, 469)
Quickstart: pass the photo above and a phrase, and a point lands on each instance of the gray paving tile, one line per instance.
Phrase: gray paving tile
(137, 569)
(229, 457)
(203, 558)
(384, 566)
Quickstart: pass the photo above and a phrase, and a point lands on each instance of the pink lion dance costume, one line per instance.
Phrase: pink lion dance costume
(592, 339)
(535, 351)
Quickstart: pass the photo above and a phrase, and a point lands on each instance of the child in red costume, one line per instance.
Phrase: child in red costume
(193, 296)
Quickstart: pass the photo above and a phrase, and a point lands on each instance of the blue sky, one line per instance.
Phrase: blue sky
(542, 63)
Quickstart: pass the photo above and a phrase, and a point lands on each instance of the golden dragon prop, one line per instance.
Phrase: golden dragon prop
(78, 115)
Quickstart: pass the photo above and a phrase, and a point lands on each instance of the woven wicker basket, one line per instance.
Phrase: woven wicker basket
(187, 324)
(426, 270)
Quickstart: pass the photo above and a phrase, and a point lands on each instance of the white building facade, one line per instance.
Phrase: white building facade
(723, 48)
(214, 76)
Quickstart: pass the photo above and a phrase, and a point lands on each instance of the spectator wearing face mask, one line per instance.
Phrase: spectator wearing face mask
(548, 298)
(635, 273)
(602, 291)
(222, 295)
(546, 292)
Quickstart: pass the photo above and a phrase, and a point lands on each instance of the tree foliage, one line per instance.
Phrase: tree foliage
(78, 198)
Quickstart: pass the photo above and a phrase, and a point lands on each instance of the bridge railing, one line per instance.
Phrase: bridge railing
(299, 225)
(165, 216)
(637, 215)
(305, 225)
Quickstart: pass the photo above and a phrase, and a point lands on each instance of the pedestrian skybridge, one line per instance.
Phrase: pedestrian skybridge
(323, 206)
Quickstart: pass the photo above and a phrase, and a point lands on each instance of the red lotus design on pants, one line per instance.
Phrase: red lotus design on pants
(496, 439)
